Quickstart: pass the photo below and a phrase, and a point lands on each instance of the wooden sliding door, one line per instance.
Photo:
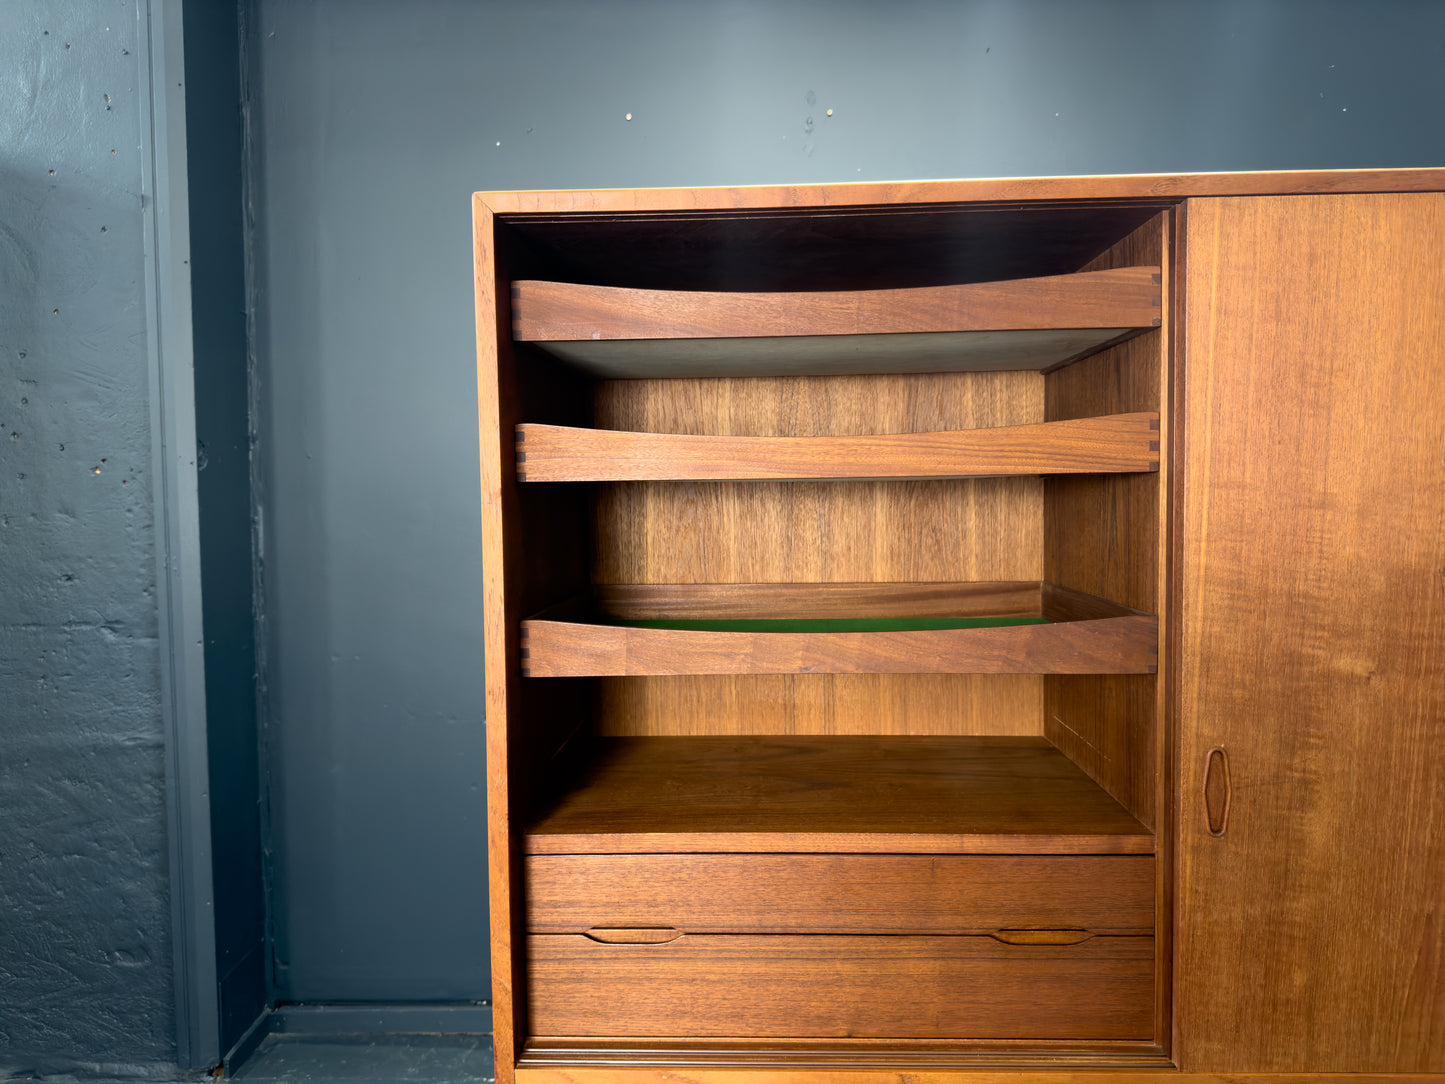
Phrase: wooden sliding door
(1311, 684)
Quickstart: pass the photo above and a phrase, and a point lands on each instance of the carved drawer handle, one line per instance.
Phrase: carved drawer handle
(634, 935)
(1216, 790)
(1041, 937)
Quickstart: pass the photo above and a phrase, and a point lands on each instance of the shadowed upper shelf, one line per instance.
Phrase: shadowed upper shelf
(1020, 324)
(1111, 444)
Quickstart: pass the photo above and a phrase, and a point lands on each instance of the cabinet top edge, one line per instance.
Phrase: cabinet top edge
(1145, 186)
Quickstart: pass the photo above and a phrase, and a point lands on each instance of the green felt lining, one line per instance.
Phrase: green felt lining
(827, 624)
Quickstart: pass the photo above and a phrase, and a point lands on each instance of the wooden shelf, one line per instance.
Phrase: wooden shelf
(1032, 323)
(964, 795)
(1110, 444)
(1072, 633)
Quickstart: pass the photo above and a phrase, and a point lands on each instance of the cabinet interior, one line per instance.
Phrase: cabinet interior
(1038, 549)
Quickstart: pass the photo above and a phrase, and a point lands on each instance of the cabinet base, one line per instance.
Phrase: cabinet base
(1162, 1074)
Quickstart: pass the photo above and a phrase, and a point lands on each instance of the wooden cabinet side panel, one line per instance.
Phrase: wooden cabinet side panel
(533, 554)
(496, 410)
(1311, 930)
(1102, 537)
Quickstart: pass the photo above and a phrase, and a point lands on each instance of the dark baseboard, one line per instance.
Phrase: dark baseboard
(247, 1043)
(422, 1018)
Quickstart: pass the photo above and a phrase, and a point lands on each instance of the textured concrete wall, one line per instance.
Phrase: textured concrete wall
(85, 964)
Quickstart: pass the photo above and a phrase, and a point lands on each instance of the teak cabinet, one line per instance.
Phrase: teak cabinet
(967, 628)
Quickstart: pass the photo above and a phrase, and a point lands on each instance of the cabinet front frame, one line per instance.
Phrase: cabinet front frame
(509, 743)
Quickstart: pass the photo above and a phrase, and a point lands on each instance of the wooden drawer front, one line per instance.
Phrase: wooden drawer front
(840, 893)
(821, 986)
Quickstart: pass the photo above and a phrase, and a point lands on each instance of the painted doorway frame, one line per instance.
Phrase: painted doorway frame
(171, 371)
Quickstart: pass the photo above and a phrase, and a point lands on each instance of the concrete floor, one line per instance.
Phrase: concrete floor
(382, 1059)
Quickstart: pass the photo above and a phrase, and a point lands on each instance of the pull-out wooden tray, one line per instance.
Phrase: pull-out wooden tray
(1109, 444)
(833, 795)
(603, 895)
(977, 888)
(992, 628)
(1020, 324)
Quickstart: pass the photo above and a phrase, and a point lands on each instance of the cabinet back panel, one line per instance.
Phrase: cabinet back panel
(818, 532)
(855, 704)
(821, 405)
(759, 532)
(762, 532)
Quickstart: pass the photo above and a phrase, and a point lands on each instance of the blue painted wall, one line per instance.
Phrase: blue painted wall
(375, 121)
(85, 957)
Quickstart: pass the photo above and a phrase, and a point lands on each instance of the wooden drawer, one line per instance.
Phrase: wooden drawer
(840, 893)
(837, 986)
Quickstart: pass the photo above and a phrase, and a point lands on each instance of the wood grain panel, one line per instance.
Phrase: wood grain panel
(533, 551)
(818, 532)
(1170, 186)
(1111, 299)
(1112, 645)
(928, 987)
(1065, 604)
(840, 894)
(1104, 539)
(742, 600)
(1114, 443)
(974, 530)
(1311, 932)
(719, 532)
(496, 415)
(856, 704)
(993, 795)
(821, 406)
